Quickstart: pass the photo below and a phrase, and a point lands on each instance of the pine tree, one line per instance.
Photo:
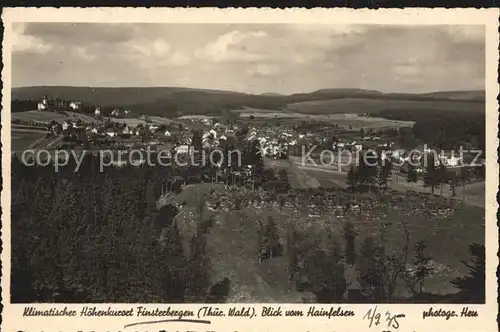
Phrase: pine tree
(350, 242)
(370, 264)
(421, 262)
(442, 176)
(431, 173)
(271, 238)
(352, 178)
(384, 174)
(473, 285)
(453, 181)
(198, 270)
(326, 277)
(464, 178)
(173, 262)
(367, 169)
(412, 176)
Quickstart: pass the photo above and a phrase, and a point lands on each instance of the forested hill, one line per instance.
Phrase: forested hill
(169, 101)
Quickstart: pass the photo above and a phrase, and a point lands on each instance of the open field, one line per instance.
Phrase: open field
(132, 122)
(366, 122)
(161, 120)
(48, 116)
(194, 117)
(367, 105)
(21, 140)
(247, 112)
(344, 120)
(297, 178)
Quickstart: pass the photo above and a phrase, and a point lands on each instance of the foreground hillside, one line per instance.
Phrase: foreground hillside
(171, 101)
(233, 240)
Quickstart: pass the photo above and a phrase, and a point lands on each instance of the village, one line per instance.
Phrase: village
(121, 128)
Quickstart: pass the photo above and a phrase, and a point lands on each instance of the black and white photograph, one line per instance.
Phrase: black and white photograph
(248, 163)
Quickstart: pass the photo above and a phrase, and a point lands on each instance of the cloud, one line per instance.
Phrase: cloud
(82, 33)
(406, 70)
(154, 53)
(26, 43)
(179, 59)
(147, 48)
(231, 47)
(254, 58)
(84, 53)
(461, 33)
(263, 70)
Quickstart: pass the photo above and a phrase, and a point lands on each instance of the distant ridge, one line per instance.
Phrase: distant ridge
(271, 94)
(362, 91)
(173, 100)
(459, 95)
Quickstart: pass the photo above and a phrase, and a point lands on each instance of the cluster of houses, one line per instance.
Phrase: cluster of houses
(273, 143)
(110, 129)
(47, 104)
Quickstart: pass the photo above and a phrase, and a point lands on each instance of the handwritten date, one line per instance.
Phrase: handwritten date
(376, 318)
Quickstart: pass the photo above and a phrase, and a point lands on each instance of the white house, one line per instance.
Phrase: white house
(97, 111)
(451, 161)
(126, 131)
(41, 106)
(65, 125)
(44, 104)
(110, 132)
(167, 133)
(75, 105)
(115, 112)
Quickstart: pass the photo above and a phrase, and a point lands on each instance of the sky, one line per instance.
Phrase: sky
(251, 58)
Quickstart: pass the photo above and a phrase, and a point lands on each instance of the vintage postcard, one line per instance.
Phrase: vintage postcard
(235, 170)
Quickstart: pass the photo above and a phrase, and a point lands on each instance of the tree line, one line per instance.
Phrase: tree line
(100, 237)
(372, 172)
(444, 129)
